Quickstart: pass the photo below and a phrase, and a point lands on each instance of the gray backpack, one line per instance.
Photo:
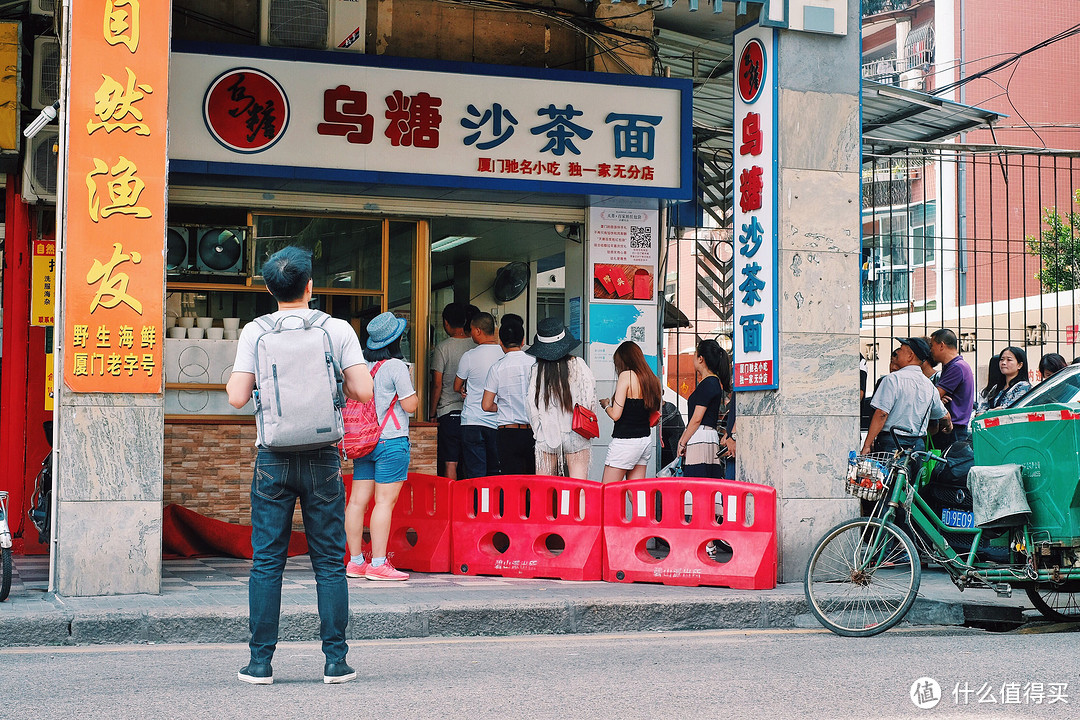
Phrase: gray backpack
(298, 385)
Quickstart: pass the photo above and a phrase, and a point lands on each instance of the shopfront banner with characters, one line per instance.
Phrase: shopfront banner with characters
(756, 335)
(114, 215)
(354, 117)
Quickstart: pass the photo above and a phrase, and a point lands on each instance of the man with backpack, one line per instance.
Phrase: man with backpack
(295, 363)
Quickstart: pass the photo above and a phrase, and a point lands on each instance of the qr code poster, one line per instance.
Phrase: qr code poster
(624, 237)
(623, 282)
(610, 325)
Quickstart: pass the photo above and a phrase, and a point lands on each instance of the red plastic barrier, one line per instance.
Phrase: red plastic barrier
(420, 526)
(686, 518)
(527, 526)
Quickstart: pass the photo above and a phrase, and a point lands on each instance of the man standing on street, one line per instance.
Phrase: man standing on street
(956, 385)
(505, 395)
(313, 476)
(905, 401)
(446, 403)
(478, 427)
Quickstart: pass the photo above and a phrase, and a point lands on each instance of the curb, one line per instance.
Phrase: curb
(64, 627)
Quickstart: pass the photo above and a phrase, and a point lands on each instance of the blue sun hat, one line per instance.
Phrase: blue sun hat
(384, 329)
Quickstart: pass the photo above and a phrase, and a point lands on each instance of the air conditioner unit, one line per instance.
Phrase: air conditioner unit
(220, 250)
(178, 247)
(46, 82)
(315, 24)
(40, 166)
(43, 7)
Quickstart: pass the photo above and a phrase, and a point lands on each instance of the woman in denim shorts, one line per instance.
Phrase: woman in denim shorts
(381, 473)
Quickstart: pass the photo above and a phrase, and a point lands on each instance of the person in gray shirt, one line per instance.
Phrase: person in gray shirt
(906, 402)
(446, 403)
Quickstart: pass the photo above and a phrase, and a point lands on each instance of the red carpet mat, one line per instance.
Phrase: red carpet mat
(186, 533)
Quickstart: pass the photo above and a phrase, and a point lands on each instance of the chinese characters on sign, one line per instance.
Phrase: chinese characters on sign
(495, 129)
(117, 125)
(755, 328)
(43, 274)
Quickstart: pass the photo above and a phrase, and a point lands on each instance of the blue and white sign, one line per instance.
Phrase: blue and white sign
(756, 331)
(394, 120)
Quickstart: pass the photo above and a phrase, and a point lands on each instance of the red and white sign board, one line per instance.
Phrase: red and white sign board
(756, 330)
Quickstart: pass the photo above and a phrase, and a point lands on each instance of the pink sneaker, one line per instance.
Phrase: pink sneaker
(385, 571)
(356, 571)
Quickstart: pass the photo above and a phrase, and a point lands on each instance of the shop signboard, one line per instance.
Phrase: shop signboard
(756, 330)
(623, 257)
(114, 197)
(43, 282)
(363, 118)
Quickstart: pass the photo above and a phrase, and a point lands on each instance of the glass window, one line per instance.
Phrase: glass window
(346, 252)
(1063, 387)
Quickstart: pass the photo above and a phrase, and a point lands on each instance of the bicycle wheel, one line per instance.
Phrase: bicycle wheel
(5, 581)
(1057, 601)
(862, 577)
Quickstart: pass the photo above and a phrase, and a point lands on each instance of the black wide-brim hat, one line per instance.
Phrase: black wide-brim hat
(552, 340)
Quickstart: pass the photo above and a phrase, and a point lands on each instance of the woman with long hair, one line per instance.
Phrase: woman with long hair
(700, 445)
(557, 383)
(1006, 380)
(637, 397)
(380, 474)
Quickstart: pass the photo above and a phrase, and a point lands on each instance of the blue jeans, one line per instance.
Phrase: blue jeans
(479, 450)
(313, 476)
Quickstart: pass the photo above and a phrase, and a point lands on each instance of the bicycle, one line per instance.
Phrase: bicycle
(5, 548)
(863, 575)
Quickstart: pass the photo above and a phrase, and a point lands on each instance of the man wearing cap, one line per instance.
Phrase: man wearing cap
(905, 402)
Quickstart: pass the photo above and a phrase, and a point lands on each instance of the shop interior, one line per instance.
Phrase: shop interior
(361, 266)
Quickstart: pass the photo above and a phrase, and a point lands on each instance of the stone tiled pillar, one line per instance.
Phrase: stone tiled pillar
(797, 438)
(109, 468)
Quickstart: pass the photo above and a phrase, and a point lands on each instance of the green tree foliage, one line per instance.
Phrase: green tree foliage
(1058, 247)
(873, 7)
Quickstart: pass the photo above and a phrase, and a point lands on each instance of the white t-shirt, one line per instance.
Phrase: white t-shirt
(343, 341)
(473, 369)
(392, 379)
(509, 380)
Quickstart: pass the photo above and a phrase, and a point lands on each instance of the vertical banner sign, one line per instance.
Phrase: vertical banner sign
(756, 331)
(43, 282)
(114, 270)
(623, 256)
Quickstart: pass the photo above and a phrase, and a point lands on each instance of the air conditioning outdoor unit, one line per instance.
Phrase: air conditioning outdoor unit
(46, 81)
(315, 24)
(206, 250)
(40, 166)
(43, 7)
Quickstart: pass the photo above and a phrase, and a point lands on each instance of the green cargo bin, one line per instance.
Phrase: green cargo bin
(1045, 441)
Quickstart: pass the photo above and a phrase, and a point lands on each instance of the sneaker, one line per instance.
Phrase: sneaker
(257, 674)
(356, 571)
(340, 672)
(385, 571)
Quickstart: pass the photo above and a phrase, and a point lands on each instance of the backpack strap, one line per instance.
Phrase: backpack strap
(389, 410)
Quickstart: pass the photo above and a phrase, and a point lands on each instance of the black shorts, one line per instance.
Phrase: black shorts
(448, 444)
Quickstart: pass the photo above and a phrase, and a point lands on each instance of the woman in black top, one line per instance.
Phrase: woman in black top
(700, 444)
(636, 399)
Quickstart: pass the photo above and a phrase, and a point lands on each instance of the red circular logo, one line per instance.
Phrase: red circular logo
(246, 110)
(752, 71)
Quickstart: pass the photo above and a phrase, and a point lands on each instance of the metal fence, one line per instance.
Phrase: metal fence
(982, 240)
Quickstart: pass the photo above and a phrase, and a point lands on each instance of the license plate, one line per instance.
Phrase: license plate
(957, 518)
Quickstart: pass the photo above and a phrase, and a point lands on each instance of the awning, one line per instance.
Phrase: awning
(894, 117)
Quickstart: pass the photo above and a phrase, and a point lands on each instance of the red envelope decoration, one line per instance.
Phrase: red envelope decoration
(603, 274)
(642, 284)
(622, 287)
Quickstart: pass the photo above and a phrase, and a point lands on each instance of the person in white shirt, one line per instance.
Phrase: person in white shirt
(505, 395)
(478, 441)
